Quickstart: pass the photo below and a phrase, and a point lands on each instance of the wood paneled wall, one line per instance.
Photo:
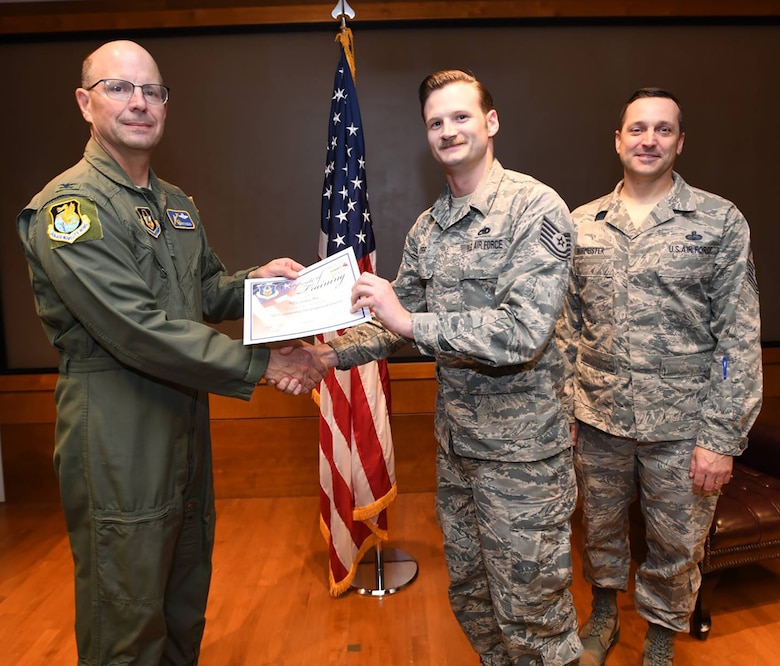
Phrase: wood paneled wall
(266, 447)
(91, 16)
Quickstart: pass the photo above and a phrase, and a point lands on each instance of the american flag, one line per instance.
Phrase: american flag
(357, 469)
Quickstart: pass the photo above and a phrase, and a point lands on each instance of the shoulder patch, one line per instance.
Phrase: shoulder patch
(180, 219)
(557, 243)
(71, 221)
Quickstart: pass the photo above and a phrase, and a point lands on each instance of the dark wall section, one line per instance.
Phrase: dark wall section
(247, 128)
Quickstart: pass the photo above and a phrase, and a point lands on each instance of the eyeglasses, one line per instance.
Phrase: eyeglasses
(122, 91)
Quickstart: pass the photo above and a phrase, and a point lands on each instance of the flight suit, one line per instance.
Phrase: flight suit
(123, 278)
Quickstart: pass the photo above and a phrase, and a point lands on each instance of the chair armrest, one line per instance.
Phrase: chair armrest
(763, 449)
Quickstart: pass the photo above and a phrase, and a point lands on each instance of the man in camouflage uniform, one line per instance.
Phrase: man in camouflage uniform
(661, 326)
(480, 286)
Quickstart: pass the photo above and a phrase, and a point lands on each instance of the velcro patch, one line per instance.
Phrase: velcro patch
(147, 219)
(72, 221)
(180, 219)
(558, 244)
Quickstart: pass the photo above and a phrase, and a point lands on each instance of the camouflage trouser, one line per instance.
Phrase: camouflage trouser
(610, 470)
(508, 550)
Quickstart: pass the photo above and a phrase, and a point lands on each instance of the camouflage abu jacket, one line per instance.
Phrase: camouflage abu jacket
(485, 290)
(661, 324)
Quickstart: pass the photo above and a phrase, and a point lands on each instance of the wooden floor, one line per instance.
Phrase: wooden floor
(269, 603)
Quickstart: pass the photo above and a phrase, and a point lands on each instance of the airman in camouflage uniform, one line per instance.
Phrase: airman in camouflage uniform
(480, 287)
(661, 328)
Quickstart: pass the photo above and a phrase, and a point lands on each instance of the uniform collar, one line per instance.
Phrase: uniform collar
(100, 160)
(482, 198)
(679, 199)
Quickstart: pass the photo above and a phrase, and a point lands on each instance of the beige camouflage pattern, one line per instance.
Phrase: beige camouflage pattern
(485, 291)
(662, 324)
(509, 557)
(485, 286)
(677, 521)
(661, 330)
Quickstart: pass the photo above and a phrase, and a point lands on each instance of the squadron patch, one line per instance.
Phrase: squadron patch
(147, 219)
(557, 243)
(71, 221)
(180, 219)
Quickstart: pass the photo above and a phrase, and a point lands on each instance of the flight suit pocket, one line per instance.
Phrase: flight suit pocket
(134, 551)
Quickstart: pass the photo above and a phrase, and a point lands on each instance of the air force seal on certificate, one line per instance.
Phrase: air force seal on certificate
(73, 220)
(265, 290)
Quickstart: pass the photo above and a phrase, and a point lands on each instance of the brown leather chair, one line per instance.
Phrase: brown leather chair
(746, 526)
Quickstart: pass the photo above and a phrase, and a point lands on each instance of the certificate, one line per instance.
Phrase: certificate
(319, 300)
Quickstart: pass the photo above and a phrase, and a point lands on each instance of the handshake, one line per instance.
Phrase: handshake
(300, 368)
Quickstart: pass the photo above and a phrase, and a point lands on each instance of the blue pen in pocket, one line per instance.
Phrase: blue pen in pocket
(725, 368)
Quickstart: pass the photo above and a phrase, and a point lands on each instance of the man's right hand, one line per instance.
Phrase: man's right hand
(295, 370)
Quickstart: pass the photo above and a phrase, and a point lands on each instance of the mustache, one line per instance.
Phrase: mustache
(454, 141)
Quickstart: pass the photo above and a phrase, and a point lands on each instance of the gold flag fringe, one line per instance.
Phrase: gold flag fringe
(337, 588)
(345, 37)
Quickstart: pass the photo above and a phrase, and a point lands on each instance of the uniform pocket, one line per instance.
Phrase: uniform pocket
(541, 546)
(684, 384)
(598, 382)
(683, 298)
(134, 552)
(595, 280)
(477, 286)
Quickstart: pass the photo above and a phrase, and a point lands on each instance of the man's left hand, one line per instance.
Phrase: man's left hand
(376, 293)
(283, 267)
(710, 471)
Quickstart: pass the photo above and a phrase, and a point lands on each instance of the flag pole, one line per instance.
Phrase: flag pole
(383, 571)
